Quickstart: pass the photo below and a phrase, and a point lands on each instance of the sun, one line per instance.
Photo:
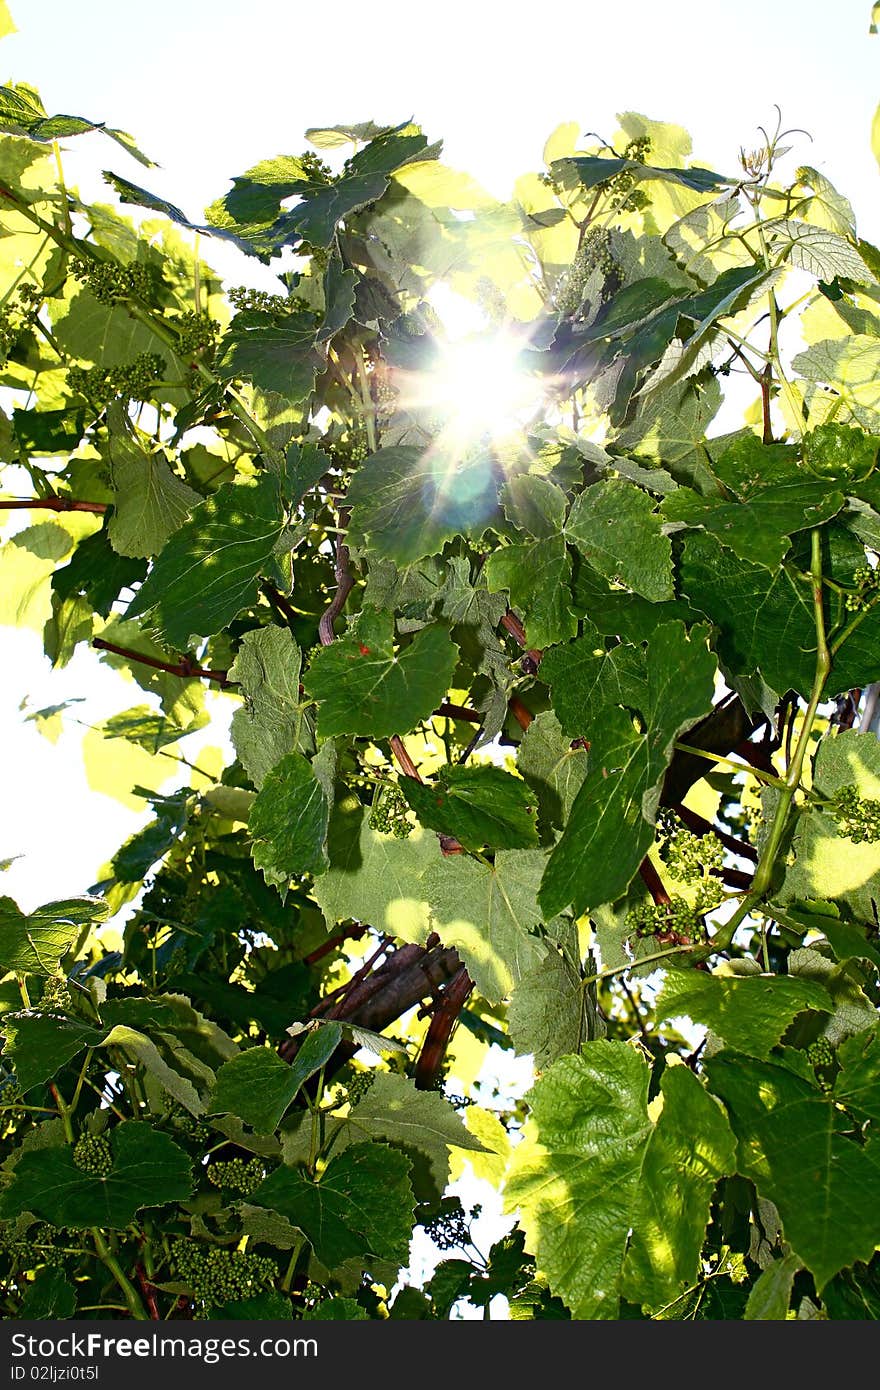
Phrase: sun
(481, 387)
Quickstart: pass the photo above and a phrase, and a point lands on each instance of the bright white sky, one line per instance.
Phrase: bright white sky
(208, 87)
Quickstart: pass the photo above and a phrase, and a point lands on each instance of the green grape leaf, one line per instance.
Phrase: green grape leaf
(315, 218)
(209, 568)
(336, 1310)
(821, 252)
(149, 501)
(750, 1012)
(279, 357)
(534, 505)
(22, 113)
(38, 1045)
(145, 1051)
(537, 576)
(362, 687)
(824, 863)
(361, 1206)
(825, 1186)
(759, 528)
(487, 913)
(406, 502)
(612, 1203)
(552, 766)
(267, 670)
(149, 1170)
(96, 571)
(765, 621)
(288, 822)
(610, 828)
(259, 1087)
(616, 529)
(478, 806)
(394, 1112)
(770, 1294)
(51, 1295)
(550, 1012)
(34, 943)
(374, 877)
(857, 1084)
(586, 679)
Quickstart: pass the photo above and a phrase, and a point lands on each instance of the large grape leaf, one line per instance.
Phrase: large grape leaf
(288, 821)
(537, 576)
(758, 527)
(279, 357)
(478, 806)
(149, 501)
(209, 569)
(363, 687)
(361, 1206)
(148, 1170)
(550, 1012)
(406, 502)
(585, 679)
(750, 1012)
(34, 943)
(611, 1202)
(792, 1145)
(375, 878)
(615, 527)
(610, 827)
(393, 1111)
(38, 1045)
(268, 725)
(823, 862)
(857, 1084)
(487, 912)
(258, 1086)
(553, 765)
(766, 623)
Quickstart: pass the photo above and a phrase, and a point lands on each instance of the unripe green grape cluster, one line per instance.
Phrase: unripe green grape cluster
(248, 301)
(858, 818)
(237, 1175)
(866, 581)
(110, 282)
(92, 1155)
(450, 1228)
(134, 380)
(315, 169)
(216, 1275)
(9, 1088)
(56, 995)
(689, 858)
(197, 333)
(188, 1126)
(821, 1053)
(673, 922)
(16, 314)
(357, 1086)
(390, 813)
(594, 253)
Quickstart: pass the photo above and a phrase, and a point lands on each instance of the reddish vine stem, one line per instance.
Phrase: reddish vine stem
(766, 380)
(520, 712)
(149, 1293)
(351, 992)
(186, 669)
(653, 882)
(452, 1001)
(355, 930)
(447, 711)
(344, 585)
(50, 504)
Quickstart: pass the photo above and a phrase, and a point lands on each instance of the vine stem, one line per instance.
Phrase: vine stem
(767, 862)
(729, 762)
(50, 504)
(185, 669)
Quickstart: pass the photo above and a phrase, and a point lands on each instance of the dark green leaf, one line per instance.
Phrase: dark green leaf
(288, 821)
(362, 687)
(615, 527)
(478, 806)
(148, 1170)
(750, 1012)
(39, 1045)
(259, 1088)
(362, 1205)
(210, 567)
(34, 944)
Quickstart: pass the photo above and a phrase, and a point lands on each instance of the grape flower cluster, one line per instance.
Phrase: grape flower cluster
(674, 923)
(858, 818)
(866, 581)
(593, 254)
(92, 1155)
(389, 813)
(216, 1275)
(237, 1175)
(197, 333)
(112, 283)
(690, 858)
(134, 380)
(821, 1057)
(450, 1228)
(56, 996)
(358, 1084)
